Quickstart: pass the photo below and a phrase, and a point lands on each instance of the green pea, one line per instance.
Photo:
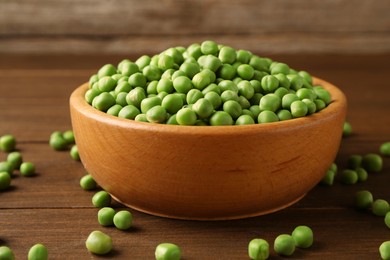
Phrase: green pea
(123, 220)
(284, 114)
(372, 162)
(106, 216)
(121, 64)
(98, 243)
(296, 82)
(320, 105)
(246, 89)
(333, 167)
(380, 207)
(190, 69)
(143, 61)
(137, 80)
(172, 120)
(129, 68)
(165, 62)
(209, 47)
(5, 181)
(156, 114)
(106, 84)
(182, 84)
(255, 100)
(92, 80)
(323, 94)
(284, 245)
(269, 83)
(284, 82)
(270, 102)
(91, 94)
(245, 71)
(306, 76)
(221, 118)
(214, 99)
(150, 102)
(244, 103)
(387, 219)
(167, 251)
(15, 159)
(165, 85)
(107, 70)
(384, 250)
(259, 75)
(363, 199)
(303, 236)
(175, 54)
(362, 174)
(229, 95)
(172, 103)
(129, 112)
(37, 252)
(212, 88)
(178, 73)
(267, 117)
(115, 109)
(7, 143)
(201, 80)
(88, 183)
(27, 169)
(347, 129)
(57, 141)
(245, 120)
(6, 167)
(279, 67)
(258, 249)
(6, 253)
(101, 199)
(227, 85)
(123, 86)
(298, 109)
(203, 108)
(385, 149)
(349, 177)
(141, 118)
(150, 72)
(227, 71)
(212, 63)
(233, 108)
(186, 116)
(288, 99)
(259, 63)
(311, 106)
(227, 55)
(74, 153)
(69, 136)
(244, 56)
(194, 51)
(103, 101)
(281, 92)
(194, 95)
(328, 179)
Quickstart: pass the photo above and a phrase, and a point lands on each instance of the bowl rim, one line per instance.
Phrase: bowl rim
(77, 101)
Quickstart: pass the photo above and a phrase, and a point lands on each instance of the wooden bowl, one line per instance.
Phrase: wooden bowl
(207, 172)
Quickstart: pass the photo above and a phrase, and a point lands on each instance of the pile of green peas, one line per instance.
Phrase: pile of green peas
(205, 84)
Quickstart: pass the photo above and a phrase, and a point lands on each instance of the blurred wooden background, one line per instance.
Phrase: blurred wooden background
(147, 26)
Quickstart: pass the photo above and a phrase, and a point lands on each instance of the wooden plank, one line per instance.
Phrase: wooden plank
(263, 44)
(215, 17)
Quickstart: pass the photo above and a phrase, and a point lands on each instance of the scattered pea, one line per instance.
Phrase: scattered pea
(349, 177)
(384, 250)
(380, 207)
(385, 149)
(167, 251)
(347, 129)
(27, 169)
(15, 159)
(123, 220)
(328, 179)
(38, 252)
(362, 174)
(106, 216)
(387, 219)
(88, 183)
(6, 167)
(303, 236)
(5, 181)
(74, 153)
(69, 136)
(101, 199)
(7, 143)
(6, 253)
(258, 249)
(372, 162)
(57, 141)
(363, 199)
(284, 245)
(98, 243)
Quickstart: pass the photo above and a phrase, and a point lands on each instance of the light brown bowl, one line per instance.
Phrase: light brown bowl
(207, 172)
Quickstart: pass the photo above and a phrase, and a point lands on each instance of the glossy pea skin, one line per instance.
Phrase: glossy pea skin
(193, 95)
(115, 109)
(384, 250)
(149, 102)
(227, 71)
(156, 114)
(284, 114)
(186, 116)
(322, 94)
(258, 249)
(245, 71)
(37, 252)
(201, 80)
(203, 108)
(27, 169)
(303, 236)
(106, 216)
(214, 99)
(233, 108)
(101, 199)
(137, 80)
(74, 153)
(363, 199)
(245, 120)
(246, 89)
(221, 118)
(267, 117)
(6, 253)
(167, 251)
(380, 207)
(284, 245)
(279, 67)
(87, 182)
(372, 162)
(269, 83)
(107, 70)
(151, 73)
(7, 143)
(103, 101)
(6, 167)
(123, 220)
(311, 106)
(106, 84)
(190, 69)
(69, 136)
(129, 112)
(362, 174)
(288, 99)
(15, 159)
(328, 179)
(321, 105)
(227, 55)
(387, 219)
(298, 109)
(98, 243)
(5, 181)
(384, 149)
(347, 129)
(209, 47)
(349, 177)
(270, 102)
(172, 103)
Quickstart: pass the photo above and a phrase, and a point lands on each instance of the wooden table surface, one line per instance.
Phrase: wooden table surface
(52, 209)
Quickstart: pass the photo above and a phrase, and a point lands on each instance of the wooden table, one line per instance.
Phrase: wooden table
(52, 209)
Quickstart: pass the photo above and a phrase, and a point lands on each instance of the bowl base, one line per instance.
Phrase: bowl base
(205, 218)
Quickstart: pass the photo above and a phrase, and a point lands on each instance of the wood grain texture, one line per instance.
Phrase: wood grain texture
(51, 208)
(280, 26)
